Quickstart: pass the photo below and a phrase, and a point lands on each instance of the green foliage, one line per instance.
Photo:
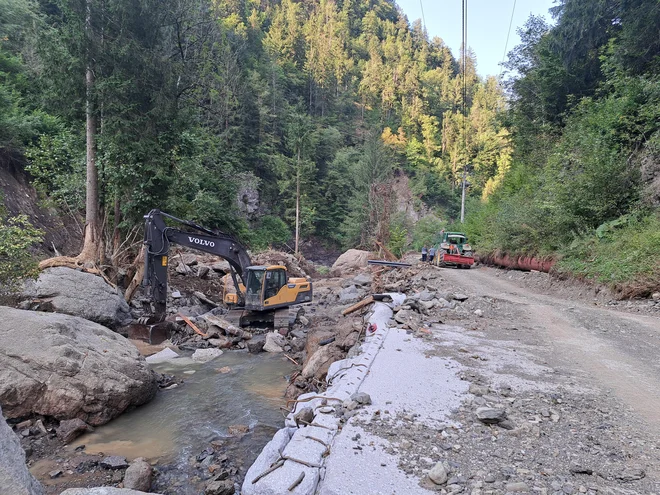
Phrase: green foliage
(370, 195)
(586, 116)
(17, 237)
(270, 231)
(195, 98)
(623, 253)
(398, 235)
(57, 164)
(426, 231)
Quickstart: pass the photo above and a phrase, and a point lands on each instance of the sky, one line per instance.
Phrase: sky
(488, 25)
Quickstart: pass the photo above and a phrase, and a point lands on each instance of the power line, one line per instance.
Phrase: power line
(423, 19)
(506, 45)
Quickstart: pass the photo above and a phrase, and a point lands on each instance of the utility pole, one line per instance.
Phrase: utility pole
(463, 194)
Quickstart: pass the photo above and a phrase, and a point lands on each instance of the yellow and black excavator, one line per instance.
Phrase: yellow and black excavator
(263, 293)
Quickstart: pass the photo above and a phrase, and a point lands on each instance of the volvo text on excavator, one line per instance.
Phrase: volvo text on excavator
(263, 293)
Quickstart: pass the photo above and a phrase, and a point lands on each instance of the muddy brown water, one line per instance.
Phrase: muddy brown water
(179, 423)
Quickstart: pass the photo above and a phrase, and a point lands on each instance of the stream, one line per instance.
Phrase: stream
(179, 423)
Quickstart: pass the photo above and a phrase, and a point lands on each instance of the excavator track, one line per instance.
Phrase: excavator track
(279, 318)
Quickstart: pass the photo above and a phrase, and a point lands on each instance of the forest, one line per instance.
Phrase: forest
(584, 115)
(264, 118)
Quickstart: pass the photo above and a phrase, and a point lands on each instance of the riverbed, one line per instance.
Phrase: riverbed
(236, 388)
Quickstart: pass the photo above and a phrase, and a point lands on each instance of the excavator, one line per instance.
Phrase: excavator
(263, 293)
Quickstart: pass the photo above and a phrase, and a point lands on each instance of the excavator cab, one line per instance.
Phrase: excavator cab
(268, 288)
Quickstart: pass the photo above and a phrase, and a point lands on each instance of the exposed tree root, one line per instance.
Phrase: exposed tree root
(69, 262)
(75, 264)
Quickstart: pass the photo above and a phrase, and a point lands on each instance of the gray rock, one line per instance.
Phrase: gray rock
(138, 475)
(478, 390)
(55, 473)
(426, 295)
(66, 367)
(517, 487)
(297, 345)
(656, 296)
(221, 266)
(303, 320)
(363, 279)
(164, 355)
(183, 269)
(490, 415)
(630, 474)
(274, 342)
(460, 297)
(15, 479)
(407, 317)
(299, 334)
(305, 416)
(354, 351)
(317, 360)
(507, 424)
(348, 295)
(71, 429)
(478, 312)
(219, 487)
(205, 355)
(361, 398)
(189, 259)
(80, 294)
(114, 462)
(438, 474)
(256, 344)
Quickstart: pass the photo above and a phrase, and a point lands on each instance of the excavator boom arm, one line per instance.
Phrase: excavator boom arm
(157, 239)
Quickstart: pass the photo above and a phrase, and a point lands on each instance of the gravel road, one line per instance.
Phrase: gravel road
(560, 392)
(619, 350)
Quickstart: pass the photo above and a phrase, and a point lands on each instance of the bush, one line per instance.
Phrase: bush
(398, 240)
(271, 230)
(624, 254)
(427, 231)
(17, 236)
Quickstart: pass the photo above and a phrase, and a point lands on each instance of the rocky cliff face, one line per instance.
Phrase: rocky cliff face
(19, 197)
(406, 203)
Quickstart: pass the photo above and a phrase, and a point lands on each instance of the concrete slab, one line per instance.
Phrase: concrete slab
(402, 380)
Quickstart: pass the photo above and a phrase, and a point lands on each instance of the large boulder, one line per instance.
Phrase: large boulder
(14, 475)
(67, 367)
(77, 293)
(350, 260)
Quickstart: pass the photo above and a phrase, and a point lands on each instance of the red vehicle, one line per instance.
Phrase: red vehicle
(454, 250)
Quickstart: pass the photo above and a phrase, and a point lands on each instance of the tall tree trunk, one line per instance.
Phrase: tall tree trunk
(92, 245)
(297, 202)
(116, 233)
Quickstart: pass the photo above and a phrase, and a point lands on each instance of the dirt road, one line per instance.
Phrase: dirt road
(617, 349)
(574, 381)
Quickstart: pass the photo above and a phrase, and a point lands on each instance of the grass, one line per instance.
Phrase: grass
(626, 257)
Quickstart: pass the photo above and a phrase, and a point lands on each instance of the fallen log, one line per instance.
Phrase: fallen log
(355, 307)
(227, 326)
(389, 256)
(191, 324)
